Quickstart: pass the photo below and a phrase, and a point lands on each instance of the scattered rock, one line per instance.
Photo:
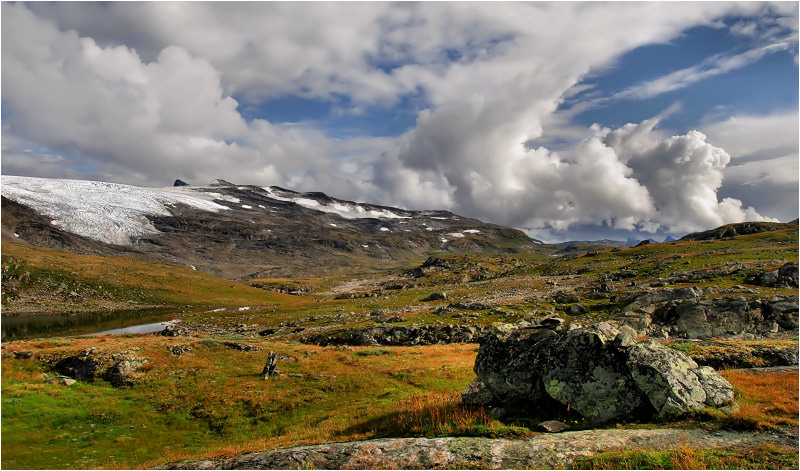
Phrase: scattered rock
(242, 346)
(119, 374)
(785, 276)
(435, 296)
(172, 330)
(552, 426)
(179, 350)
(22, 354)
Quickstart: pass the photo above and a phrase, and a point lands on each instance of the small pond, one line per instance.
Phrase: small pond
(111, 322)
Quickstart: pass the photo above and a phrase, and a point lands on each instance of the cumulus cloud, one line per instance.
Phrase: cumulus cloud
(143, 93)
(764, 160)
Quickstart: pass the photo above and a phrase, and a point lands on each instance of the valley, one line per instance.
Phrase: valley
(374, 345)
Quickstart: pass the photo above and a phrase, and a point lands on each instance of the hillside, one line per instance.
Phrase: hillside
(235, 231)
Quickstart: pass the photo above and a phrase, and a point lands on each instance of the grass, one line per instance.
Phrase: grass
(766, 401)
(761, 457)
(47, 280)
(213, 401)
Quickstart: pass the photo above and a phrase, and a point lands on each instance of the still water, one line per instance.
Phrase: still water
(112, 322)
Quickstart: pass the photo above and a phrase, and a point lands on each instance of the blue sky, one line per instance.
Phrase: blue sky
(568, 120)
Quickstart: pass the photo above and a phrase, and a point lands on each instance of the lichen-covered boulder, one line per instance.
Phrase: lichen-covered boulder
(600, 372)
(673, 382)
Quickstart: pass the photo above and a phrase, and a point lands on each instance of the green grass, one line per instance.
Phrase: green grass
(40, 279)
(760, 457)
(214, 401)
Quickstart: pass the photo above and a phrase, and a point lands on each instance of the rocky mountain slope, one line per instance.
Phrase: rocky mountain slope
(237, 231)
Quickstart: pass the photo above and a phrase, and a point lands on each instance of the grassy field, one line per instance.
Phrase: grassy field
(214, 402)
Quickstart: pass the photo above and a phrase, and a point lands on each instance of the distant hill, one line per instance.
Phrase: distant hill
(237, 231)
(732, 230)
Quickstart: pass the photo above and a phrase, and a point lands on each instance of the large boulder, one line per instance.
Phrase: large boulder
(600, 372)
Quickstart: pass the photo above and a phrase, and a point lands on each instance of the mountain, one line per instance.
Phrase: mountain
(237, 231)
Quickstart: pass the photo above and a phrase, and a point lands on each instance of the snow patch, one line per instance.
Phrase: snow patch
(247, 206)
(108, 212)
(385, 229)
(471, 231)
(457, 235)
(344, 210)
(221, 197)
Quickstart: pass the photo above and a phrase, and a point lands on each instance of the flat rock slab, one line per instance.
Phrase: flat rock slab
(539, 452)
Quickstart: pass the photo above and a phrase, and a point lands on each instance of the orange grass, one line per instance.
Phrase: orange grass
(766, 400)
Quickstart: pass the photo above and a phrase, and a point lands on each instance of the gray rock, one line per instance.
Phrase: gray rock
(172, 330)
(242, 346)
(435, 296)
(599, 372)
(119, 374)
(179, 350)
(785, 276)
(476, 393)
(553, 426)
(554, 323)
(577, 310)
(673, 382)
(22, 354)
(79, 367)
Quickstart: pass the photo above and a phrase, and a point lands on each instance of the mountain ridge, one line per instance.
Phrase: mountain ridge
(239, 231)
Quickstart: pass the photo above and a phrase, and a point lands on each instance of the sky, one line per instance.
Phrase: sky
(568, 120)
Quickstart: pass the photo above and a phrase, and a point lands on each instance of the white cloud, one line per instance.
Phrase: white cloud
(147, 92)
(764, 160)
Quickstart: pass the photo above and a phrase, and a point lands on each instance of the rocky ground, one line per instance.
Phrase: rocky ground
(545, 451)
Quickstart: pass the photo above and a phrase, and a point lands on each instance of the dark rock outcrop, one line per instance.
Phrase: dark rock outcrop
(119, 369)
(687, 313)
(120, 373)
(785, 276)
(403, 335)
(600, 372)
(242, 346)
(80, 367)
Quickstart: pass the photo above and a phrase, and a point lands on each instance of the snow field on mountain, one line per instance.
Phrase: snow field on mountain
(108, 212)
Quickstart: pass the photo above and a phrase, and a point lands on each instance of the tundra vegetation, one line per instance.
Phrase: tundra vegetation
(201, 392)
